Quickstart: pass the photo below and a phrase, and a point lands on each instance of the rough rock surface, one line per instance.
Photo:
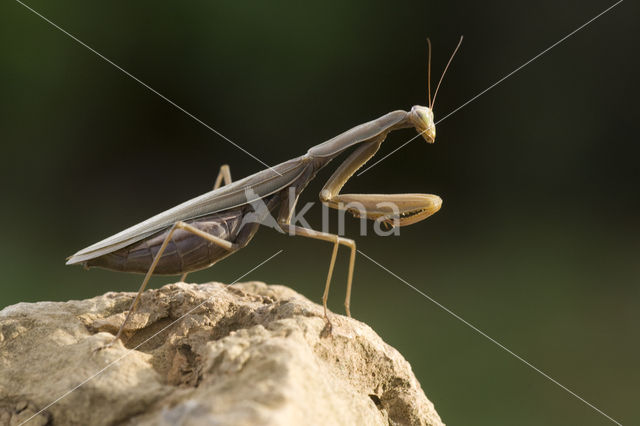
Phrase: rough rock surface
(204, 354)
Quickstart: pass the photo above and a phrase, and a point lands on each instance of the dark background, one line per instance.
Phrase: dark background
(537, 241)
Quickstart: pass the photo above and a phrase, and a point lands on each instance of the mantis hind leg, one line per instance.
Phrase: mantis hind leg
(178, 225)
(224, 175)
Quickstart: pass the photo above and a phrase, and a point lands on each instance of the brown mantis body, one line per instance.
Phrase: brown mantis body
(198, 233)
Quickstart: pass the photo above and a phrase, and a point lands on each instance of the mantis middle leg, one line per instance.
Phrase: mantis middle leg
(336, 240)
(284, 221)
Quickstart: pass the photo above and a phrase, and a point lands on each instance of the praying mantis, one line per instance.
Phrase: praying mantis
(204, 230)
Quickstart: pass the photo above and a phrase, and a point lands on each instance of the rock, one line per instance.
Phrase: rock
(204, 354)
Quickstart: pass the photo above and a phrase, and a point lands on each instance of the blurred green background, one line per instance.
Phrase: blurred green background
(537, 241)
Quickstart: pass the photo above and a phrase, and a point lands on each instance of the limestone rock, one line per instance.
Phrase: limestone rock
(204, 354)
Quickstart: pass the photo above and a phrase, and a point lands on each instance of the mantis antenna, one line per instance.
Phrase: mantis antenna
(429, 74)
(445, 69)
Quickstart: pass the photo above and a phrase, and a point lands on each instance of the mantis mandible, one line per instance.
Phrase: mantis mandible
(204, 230)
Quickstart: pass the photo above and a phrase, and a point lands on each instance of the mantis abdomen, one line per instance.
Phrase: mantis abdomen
(185, 251)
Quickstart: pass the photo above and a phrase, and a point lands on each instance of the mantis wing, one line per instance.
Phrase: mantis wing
(238, 193)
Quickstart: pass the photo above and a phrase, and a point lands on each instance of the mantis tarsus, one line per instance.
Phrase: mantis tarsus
(198, 233)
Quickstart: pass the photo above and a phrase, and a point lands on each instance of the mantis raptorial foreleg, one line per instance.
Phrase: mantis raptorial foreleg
(224, 175)
(395, 209)
(178, 225)
(336, 240)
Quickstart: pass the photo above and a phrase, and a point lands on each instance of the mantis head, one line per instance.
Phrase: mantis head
(422, 117)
